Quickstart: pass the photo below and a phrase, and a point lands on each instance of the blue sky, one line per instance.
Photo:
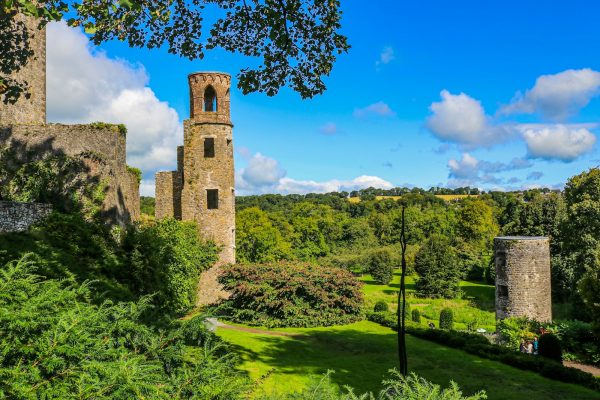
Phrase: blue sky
(432, 93)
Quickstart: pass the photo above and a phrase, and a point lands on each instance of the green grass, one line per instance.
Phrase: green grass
(477, 302)
(363, 352)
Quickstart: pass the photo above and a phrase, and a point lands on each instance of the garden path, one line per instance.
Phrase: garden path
(584, 367)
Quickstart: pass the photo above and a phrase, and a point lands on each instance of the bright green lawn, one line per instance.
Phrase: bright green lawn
(361, 354)
(477, 302)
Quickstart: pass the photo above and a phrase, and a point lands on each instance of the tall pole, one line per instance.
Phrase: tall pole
(402, 305)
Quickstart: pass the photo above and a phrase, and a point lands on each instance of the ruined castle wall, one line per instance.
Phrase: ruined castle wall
(168, 195)
(18, 217)
(104, 146)
(523, 278)
(30, 110)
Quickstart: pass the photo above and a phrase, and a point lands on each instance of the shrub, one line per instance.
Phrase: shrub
(380, 266)
(438, 268)
(513, 330)
(166, 259)
(446, 319)
(60, 346)
(549, 347)
(299, 295)
(380, 306)
(416, 316)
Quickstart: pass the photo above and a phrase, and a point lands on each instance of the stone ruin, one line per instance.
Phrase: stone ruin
(202, 189)
(523, 278)
(102, 147)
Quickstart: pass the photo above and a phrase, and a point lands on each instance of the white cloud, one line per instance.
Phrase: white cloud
(264, 175)
(557, 96)
(469, 171)
(461, 119)
(560, 142)
(380, 109)
(386, 56)
(329, 129)
(147, 187)
(85, 85)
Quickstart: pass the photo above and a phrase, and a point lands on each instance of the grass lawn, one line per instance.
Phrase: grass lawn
(361, 354)
(477, 302)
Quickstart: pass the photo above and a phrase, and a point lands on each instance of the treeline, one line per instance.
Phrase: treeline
(330, 229)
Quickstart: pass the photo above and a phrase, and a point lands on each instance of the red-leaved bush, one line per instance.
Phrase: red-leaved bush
(285, 294)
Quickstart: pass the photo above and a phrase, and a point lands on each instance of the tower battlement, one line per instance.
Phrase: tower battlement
(209, 97)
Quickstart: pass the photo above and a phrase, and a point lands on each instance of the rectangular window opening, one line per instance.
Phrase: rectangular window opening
(502, 291)
(212, 199)
(209, 147)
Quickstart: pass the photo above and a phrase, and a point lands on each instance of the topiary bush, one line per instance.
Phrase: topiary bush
(380, 306)
(380, 266)
(549, 347)
(295, 295)
(446, 319)
(416, 316)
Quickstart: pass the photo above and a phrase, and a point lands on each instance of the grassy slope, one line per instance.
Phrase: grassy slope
(361, 354)
(477, 302)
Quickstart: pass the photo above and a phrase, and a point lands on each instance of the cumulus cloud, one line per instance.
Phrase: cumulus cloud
(557, 96)
(329, 129)
(265, 175)
(378, 109)
(466, 167)
(386, 56)
(560, 142)
(85, 85)
(461, 119)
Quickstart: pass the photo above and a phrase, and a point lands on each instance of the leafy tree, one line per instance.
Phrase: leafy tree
(166, 260)
(297, 41)
(438, 268)
(582, 236)
(381, 266)
(147, 205)
(257, 240)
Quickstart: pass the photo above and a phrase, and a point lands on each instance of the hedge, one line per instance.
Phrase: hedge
(479, 345)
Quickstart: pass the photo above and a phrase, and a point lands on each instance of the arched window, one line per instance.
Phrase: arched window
(210, 99)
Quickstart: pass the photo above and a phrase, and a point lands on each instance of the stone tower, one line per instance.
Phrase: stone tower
(32, 110)
(523, 277)
(208, 195)
(202, 188)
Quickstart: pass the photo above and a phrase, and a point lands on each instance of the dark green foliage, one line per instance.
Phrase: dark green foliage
(40, 175)
(147, 205)
(66, 245)
(480, 346)
(301, 295)
(381, 306)
(549, 347)
(380, 266)
(438, 269)
(56, 345)
(446, 319)
(578, 339)
(416, 316)
(166, 259)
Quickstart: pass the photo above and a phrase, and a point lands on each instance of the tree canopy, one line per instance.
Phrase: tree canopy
(290, 42)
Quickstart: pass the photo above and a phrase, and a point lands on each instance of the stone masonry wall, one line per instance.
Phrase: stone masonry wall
(18, 217)
(104, 143)
(30, 110)
(168, 195)
(523, 287)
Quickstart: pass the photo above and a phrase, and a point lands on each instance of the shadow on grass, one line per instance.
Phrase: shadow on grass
(482, 296)
(359, 359)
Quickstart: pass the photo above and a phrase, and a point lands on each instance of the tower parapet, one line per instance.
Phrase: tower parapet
(209, 97)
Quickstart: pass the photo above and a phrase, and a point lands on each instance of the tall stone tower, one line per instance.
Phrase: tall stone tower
(208, 195)
(32, 110)
(523, 277)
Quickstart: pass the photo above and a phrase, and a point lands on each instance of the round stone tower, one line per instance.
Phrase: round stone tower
(208, 195)
(523, 277)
